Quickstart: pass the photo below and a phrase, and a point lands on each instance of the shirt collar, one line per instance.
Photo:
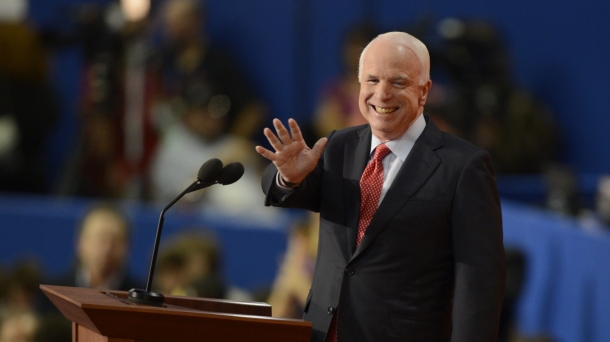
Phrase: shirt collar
(402, 146)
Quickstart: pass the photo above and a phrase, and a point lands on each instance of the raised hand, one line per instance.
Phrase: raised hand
(292, 157)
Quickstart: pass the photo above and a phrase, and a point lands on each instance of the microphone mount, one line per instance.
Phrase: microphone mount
(208, 175)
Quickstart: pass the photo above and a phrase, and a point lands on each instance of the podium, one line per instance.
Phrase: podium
(107, 316)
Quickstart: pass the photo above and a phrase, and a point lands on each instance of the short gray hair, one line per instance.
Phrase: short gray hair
(420, 49)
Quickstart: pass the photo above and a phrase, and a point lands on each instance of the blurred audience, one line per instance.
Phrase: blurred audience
(563, 195)
(598, 218)
(116, 134)
(102, 246)
(338, 104)
(475, 97)
(53, 328)
(204, 109)
(198, 136)
(20, 286)
(181, 93)
(189, 265)
(18, 318)
(187, 63)
(18, 325)
(292, 283)
(602, 201)
(28, 108)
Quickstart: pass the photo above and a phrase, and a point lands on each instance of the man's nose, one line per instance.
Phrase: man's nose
(384, 91)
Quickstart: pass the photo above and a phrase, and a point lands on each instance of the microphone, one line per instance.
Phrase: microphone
(210, 170)
(231, 173)
(209, 173)
(228, 175)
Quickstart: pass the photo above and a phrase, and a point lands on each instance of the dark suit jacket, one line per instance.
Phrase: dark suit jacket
(431, 265)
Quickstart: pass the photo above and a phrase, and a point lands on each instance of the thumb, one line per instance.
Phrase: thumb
(318, 147)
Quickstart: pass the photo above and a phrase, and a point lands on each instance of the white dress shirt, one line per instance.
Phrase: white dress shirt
(400, 148)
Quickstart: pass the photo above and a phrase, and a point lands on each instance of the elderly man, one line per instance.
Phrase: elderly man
(410, 223)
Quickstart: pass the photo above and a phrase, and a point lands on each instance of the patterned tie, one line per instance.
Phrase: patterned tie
(370, 190)
(371, 184)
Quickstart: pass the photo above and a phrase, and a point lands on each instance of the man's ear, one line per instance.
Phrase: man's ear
(423, 95)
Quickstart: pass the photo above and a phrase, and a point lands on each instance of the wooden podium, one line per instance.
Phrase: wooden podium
(107, 316)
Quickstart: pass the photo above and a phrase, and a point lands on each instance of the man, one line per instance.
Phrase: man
(101, 247)
(416, 255)
(102, 244)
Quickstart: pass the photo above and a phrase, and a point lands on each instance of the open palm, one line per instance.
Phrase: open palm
(292, 157)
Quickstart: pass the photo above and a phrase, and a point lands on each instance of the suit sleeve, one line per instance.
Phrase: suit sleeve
(480, 264)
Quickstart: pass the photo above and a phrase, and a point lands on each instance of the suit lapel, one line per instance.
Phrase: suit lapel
(418, 167)
(356, 155)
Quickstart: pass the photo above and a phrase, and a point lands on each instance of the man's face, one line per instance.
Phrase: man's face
(102, 246)
(390, 95)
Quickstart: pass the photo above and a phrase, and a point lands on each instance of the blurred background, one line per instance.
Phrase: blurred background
(108, 108)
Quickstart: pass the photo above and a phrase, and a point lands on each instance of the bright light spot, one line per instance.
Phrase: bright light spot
(135, 10)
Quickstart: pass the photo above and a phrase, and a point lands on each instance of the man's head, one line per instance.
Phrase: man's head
(394, 77)
(183, 21)
(102, 243)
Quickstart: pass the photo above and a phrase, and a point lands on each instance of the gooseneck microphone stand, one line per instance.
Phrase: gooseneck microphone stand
(148, 297)
(207, 175)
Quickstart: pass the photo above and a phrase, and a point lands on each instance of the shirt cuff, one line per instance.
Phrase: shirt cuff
(279, 184)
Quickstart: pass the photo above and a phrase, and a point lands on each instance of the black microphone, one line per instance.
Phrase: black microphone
(210, 170)
(230, 174)
(208, 173)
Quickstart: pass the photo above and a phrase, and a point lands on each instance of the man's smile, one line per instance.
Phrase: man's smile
(384, 110)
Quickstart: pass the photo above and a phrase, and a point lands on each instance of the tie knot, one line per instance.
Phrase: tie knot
(381, 151)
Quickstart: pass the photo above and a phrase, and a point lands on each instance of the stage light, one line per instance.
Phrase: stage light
(135, 10)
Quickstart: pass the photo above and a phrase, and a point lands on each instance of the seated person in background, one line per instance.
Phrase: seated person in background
(102, 245)
(198, 136)
(187, 61)
(17, 325)
(186, 260)
(20, 288)
(338, 103)
(599, 217)
(28, 106)
(53, 328)
(18, 320)
(476, 97)
(289, 291)
(189, 265)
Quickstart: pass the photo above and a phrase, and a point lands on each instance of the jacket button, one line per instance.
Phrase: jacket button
(350, 271)
(331, 310)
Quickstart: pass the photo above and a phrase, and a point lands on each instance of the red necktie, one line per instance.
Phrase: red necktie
(371, 184)
(370, 190)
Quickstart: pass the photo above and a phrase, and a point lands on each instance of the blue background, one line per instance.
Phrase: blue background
(288, 48)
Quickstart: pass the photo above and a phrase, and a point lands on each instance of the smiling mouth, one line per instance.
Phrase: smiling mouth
(384, 110)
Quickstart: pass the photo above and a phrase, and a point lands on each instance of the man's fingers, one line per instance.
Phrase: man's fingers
(282, 132)
(318, 147)
(265, 153)
(273, 140)
(295, 130)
